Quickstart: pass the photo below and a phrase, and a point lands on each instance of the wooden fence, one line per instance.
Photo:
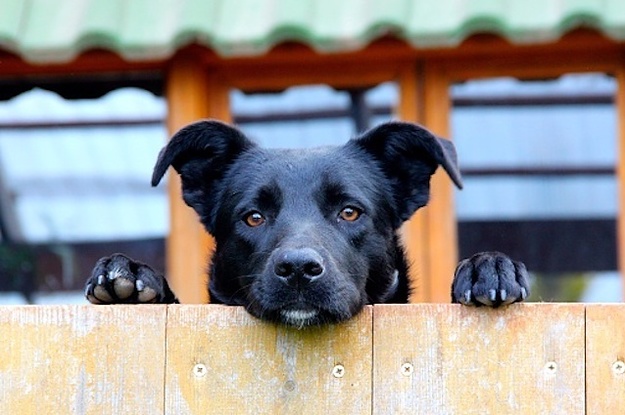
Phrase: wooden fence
(412, 359)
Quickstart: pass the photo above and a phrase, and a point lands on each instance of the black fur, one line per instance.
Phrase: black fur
(310, 236)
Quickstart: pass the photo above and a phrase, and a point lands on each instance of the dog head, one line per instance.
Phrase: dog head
(306, 236)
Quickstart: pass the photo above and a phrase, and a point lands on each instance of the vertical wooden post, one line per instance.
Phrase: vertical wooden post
(442, 232)
(431, 235)
(620, 173)
(193, 92)
(414, 231)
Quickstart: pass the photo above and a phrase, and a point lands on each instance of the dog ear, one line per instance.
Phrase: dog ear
(409, 154)
(201, 153)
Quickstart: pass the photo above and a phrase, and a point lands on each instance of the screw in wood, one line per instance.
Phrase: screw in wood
(289, 385)
(199, 370)
(407, 369)
(338, 371)
(551, 367)
(618, 367)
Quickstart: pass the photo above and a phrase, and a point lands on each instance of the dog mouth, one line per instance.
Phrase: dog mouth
(299, 317)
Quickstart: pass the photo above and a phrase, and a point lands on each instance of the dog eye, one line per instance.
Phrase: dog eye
(350, 213)
(254, 219)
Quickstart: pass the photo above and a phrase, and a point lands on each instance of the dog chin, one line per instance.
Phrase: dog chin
(299, 318)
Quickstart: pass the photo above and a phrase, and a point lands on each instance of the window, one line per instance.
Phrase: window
(538, 160)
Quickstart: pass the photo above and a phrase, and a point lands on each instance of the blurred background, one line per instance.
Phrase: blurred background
(538, 156)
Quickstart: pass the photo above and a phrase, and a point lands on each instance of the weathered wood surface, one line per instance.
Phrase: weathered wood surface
(223, 359)
(442, 359)
(605, 359)
(416, 359)
(82, 360)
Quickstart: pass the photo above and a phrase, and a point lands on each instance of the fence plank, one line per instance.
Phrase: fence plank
(523, 359)
(111, 360)
(605, 357)
(82, 359)
(219, 358)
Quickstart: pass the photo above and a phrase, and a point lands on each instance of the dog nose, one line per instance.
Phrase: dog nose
(298, 267)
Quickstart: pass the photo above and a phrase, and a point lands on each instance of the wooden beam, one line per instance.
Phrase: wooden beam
(414, 238)
(292, 64)
(442, 233)
(383, 52)
(550, 65)
(88, 62)
(193, 92)
(578, 52)
(338, 74)
(431, 235)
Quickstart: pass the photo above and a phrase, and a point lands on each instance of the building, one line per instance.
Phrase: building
(415, 60)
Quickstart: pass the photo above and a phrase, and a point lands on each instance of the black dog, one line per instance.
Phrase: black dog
(307, 237)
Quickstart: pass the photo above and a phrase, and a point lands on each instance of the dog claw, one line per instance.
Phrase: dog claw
(101, 280)
(523, 293)
(467, 297)
(507, 299)
(140, 285)
(492, 295)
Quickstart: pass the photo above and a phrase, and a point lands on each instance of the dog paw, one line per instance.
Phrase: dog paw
(491, 279)
(117, 279)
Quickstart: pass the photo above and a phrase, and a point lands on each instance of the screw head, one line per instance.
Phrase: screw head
(407, 369)
(551, 367)
(200, 370)
(338, 371)
(289, 385)
(618, 367)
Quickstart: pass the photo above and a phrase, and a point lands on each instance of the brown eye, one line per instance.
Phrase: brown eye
(350, 214)
(254, 219)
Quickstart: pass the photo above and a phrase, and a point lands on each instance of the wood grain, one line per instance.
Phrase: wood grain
(526, 359)
(414, 359)
(82, 360)
(253, 367)
(605, 359)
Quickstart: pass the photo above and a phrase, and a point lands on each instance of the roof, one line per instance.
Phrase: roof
(56, 31)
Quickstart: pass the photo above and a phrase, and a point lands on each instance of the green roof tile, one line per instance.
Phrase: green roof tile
(58, 30)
